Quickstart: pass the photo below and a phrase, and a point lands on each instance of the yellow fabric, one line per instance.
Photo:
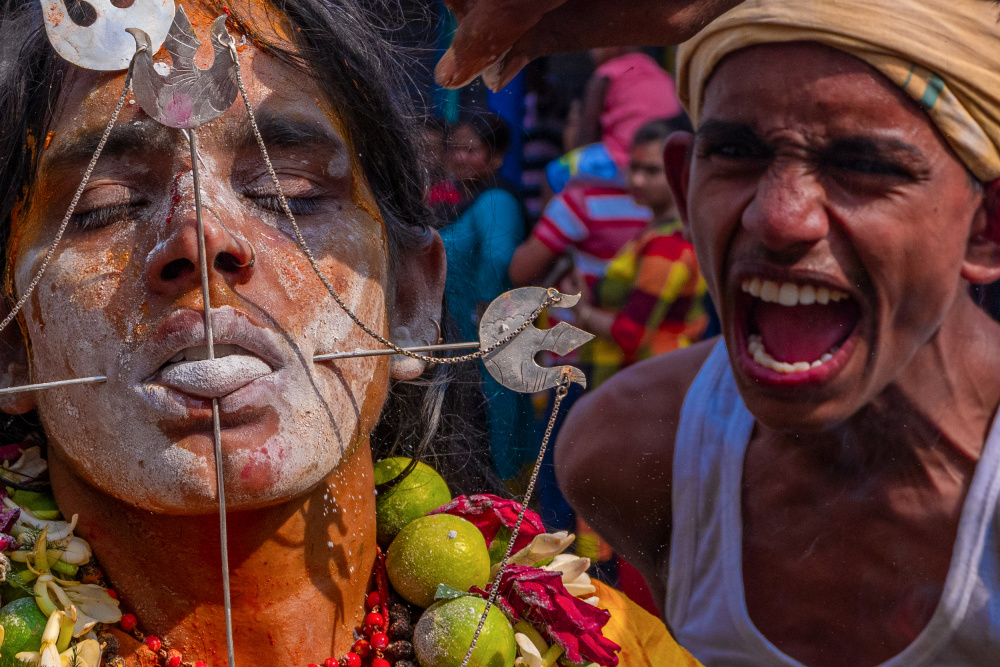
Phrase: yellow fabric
(644, 639)
(944, 53)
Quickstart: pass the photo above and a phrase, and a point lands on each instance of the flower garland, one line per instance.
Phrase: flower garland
(546, 595)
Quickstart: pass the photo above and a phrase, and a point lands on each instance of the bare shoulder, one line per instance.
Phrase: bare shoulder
(614, 455)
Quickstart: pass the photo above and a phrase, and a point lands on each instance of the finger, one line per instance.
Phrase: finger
(586, 24)
(485, 34)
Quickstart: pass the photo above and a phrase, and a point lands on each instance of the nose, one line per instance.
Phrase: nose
(173, 266)
(788, 212)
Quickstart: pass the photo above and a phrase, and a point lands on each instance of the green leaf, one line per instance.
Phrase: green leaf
(446, 592)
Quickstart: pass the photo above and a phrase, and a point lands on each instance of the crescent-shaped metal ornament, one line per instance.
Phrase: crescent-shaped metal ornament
(105, 45)
(187, 97)
(513, 365)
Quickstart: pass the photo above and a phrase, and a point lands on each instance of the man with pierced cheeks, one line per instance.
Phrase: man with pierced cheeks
(819, 486)
(122, 298)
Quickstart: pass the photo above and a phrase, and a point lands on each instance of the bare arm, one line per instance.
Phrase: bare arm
(614, 457)
(531, 260)
(502, 36)
(593, 104)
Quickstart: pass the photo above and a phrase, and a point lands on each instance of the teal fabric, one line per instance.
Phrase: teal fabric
(479, 245)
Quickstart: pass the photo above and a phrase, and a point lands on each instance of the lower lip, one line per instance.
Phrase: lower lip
(170, 401)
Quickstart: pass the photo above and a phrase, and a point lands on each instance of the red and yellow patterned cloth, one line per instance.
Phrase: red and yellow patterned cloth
(656, 288)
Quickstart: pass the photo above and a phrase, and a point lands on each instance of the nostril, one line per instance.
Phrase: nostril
(227, 262)
(176, 269)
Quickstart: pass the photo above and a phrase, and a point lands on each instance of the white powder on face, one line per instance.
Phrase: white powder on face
(93, 319)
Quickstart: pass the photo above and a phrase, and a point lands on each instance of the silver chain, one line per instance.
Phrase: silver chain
(561, 392)
(72, 207)
(552, 296)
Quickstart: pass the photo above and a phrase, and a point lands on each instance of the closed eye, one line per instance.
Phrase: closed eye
(297, 205)
(104, 216)
(730, 141)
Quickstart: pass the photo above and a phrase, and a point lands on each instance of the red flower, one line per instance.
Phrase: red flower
(489, 513)
(539, 597)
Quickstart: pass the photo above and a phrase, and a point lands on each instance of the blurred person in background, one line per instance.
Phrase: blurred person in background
(442, 192)
(651, 299)
(488, 224)
(627, 90)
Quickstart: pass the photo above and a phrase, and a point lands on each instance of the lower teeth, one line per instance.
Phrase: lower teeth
(755, 345)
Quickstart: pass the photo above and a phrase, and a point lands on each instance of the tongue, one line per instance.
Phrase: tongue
(804, 333)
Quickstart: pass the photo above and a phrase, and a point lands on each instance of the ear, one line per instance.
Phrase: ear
(496, 161)
(14, 368)
(982, 254)
(677, 163)
(415, 318)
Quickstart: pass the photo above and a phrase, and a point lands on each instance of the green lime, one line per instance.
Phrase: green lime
(42, 505)
(445, 631)
(23, 623)
(433, 550)
(420, 492)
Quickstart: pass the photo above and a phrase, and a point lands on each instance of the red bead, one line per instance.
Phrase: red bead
(113, 594)
(380, 662)
(380, 641)
(201, 663)
(153, 643)
(173, 658)
(128, 622)
(374, 620)
(331, 662)
(373, 600)
(351, 660)
(362, 648)
(312, 664)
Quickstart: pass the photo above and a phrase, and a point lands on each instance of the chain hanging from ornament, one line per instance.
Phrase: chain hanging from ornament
(188, 97)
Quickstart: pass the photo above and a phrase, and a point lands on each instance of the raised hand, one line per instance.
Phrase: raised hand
(496, 38)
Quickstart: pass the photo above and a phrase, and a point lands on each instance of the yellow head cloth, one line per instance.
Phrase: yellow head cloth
(944, 53)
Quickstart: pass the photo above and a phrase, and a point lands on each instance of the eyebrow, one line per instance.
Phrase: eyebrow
(80, 147)
(872, 144)
(885, 146)
(714, 128)
(280, 131)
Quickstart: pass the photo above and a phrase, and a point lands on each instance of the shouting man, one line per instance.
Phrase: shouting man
(819, 487)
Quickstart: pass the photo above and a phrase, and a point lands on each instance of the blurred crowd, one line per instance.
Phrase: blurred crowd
(604, 225)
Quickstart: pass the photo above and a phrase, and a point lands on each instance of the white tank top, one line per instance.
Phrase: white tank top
(705, 605)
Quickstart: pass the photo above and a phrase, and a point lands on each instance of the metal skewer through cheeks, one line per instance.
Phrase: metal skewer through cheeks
(508, 340)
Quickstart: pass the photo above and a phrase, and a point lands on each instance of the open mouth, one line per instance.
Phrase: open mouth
(794, 328)
(191, 371)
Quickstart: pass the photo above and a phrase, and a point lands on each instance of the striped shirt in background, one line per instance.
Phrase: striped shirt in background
(591, 223)
(656, 288)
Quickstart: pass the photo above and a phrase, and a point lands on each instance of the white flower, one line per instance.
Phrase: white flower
(58, 530)
(530, 656)
(574, 574)
(57, 635)
(542, 547)
(30, 463)
(75, 550)
(91, 602)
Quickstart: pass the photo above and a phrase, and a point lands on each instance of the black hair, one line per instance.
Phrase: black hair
(336, 44)
(490, 128)
(661, 128)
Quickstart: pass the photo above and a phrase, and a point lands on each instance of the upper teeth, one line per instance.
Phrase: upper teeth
(790, 294)
(200, 353)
